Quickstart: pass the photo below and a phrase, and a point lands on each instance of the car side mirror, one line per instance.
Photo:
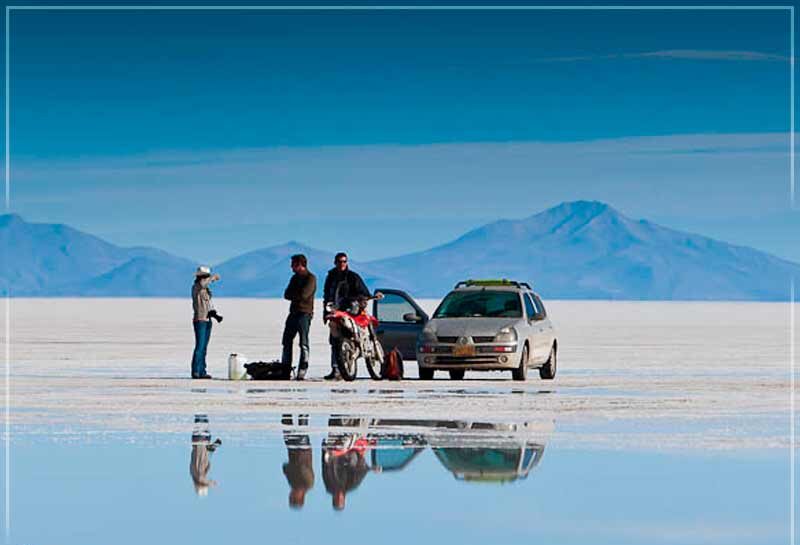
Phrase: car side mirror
(411, 317)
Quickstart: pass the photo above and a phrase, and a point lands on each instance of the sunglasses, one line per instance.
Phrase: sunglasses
(341, 261)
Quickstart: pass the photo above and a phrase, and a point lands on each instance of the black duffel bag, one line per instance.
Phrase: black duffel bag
(268, 370)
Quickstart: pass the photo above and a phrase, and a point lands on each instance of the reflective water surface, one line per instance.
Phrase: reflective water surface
(672, 426)
(315, 477)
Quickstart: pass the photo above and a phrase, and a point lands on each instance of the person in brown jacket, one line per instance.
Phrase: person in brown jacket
(300, 291)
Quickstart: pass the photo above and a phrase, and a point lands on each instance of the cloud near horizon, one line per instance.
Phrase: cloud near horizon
(416, 196)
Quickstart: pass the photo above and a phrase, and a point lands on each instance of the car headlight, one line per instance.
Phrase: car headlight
(428, 336)
(506, 335)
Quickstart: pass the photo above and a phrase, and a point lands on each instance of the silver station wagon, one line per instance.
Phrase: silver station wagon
(489, 325)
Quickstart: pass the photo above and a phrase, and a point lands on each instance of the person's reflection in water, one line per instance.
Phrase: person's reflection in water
(202, 447)
(299, 470)
(344, 464)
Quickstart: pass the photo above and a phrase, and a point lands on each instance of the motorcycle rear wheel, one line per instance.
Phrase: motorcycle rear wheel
(375, 362)
(347, 361)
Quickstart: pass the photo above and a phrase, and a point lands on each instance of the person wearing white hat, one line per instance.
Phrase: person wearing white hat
(203, 311)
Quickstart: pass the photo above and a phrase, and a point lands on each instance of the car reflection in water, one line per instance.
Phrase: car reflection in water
(199, 461)
(472, 451)
(507, 460)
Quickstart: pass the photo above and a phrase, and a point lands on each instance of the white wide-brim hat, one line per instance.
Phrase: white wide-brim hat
(202, 270)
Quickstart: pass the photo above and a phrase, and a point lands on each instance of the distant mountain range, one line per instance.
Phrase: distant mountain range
(577, 250)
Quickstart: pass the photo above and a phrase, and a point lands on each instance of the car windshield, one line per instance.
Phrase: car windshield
(480, 304)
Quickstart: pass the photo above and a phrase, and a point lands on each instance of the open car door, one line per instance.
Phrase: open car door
(396, 452)
(401, 320)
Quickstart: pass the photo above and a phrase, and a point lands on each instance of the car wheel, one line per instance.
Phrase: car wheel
(425, 374)
(457, 374)
(548, 370)
(521, 372)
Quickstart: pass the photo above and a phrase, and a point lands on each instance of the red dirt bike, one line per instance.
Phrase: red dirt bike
(353, 331)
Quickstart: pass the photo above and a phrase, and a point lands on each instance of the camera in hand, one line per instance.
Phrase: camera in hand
(213, 314)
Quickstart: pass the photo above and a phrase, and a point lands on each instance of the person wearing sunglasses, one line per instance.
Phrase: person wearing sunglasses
(341, 285)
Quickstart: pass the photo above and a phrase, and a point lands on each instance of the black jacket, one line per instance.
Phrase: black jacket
(343, 472)
(343, 285)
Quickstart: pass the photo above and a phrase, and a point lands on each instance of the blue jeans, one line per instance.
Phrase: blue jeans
(202, 333)
(296, 323)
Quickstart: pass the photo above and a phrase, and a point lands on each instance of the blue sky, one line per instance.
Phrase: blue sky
(213, 133)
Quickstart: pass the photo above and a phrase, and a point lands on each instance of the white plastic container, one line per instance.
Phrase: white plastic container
(236, 370)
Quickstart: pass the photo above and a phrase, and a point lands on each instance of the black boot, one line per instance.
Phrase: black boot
(334, 375)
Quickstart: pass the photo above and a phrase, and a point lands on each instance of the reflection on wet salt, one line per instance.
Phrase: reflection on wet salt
(393, 392)
(355, 446)
(476, 392)
(299, 469)
(351, 397)
(344, 463)
(479, 451)
(200, 459)
(390, 476)
(275, 390)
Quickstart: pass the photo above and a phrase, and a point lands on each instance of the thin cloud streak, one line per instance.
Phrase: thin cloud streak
(680, 54)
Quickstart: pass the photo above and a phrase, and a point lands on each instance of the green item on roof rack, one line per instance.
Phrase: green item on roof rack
(490, 282)
(493, 282)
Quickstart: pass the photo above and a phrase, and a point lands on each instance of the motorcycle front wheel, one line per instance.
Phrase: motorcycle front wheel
(347, 359)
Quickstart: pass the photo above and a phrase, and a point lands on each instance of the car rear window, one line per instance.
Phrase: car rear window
(480, 304)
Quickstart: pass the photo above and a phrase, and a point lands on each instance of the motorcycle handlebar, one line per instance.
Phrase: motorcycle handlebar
(329, 311)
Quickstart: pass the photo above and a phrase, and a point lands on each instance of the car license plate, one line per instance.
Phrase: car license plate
(464, 351)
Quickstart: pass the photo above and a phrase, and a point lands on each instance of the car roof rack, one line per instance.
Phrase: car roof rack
(493, 282)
